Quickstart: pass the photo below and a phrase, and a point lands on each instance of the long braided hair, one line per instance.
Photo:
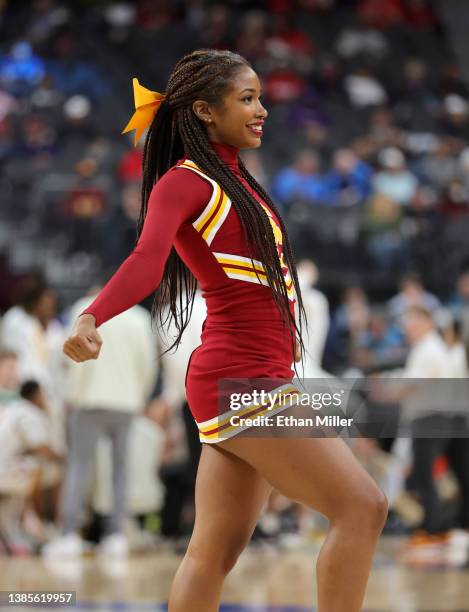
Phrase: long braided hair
(206, 74)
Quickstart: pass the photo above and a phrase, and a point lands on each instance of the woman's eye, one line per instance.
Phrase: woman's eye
(247, 98)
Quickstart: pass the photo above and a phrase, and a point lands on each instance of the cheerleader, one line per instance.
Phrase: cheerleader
(205, 219)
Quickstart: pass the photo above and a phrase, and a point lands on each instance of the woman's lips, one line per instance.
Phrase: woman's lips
(255, 129)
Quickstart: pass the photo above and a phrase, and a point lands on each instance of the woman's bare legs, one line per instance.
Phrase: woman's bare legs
(323, 474)
(229, 496)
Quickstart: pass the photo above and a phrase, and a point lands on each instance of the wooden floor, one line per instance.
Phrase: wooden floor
(265, 580)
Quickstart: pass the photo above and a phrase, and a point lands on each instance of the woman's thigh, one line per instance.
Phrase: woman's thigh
(229, 495)
(321, 473)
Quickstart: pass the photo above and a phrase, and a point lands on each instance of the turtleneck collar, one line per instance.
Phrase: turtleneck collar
(227, 153)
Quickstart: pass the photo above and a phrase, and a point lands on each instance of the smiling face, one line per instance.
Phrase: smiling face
(238, 119)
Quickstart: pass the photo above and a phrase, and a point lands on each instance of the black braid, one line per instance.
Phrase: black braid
(206, 74)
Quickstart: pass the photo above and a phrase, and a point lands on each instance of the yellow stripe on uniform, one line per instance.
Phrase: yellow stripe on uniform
(249, 273)
(217, 221)
(280, 393)
(224, 429)
(240, 275)
(234, 260)
(209, 209)
(225, 205)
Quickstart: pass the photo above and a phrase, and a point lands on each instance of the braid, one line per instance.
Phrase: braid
(206, 74)
(289, 256)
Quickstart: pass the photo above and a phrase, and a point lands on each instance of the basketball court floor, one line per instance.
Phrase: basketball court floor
(266, 579)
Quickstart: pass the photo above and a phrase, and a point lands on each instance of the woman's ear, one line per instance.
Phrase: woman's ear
(202, 111)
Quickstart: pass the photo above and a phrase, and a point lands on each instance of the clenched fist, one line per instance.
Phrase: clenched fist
(84, 342)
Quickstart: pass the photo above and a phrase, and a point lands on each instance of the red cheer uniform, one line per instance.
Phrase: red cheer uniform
(243, 335)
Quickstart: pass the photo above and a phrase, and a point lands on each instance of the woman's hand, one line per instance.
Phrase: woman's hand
(84, 342)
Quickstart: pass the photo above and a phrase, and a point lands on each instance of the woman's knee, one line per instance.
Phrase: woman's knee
(221, 554)
(372, 507)
(366, 510)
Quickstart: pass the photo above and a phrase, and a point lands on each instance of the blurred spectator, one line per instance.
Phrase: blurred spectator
(423, 204)
(31, 330)
(412, 294)
(316, 135)
(307, 116)
(214, 31)
(37, 138)
(145, 490)
(46, 97)
(455, 117)
(104, 396)
(21, 70)
(302, 181)
(428, 358)
(454, 200)
(457, 358)
(317, 317)
(359, 40)
(440, 167)
(459, 304)
(44, 504)
(416, 105)
(130, 165)
(380, 227)
(349, 322)
(7, 140)
(73, 76)
(85, 204)
(77, 129)
(284, 32)
(118, 245)
(327, 77)
(463, 170)
(419, 14)
(8, 377)
(119, 18)
(8, 104)
(283, 83)
(452, 82)
(45, 17)
(363, 89)
(25, 439)
(352, 316)
(381, 14)
(380, 345)
(155, 15)
(251, 41)
(394, 179)
(383, 128)
(349, 181)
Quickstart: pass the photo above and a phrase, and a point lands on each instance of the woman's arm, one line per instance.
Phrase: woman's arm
(177, 197)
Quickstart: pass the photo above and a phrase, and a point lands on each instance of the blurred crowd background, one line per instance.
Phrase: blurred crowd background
(366, 152)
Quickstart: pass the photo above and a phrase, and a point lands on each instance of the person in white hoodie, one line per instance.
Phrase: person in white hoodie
(104, 396)
(31, 330)
(317, 315)
(439, 426)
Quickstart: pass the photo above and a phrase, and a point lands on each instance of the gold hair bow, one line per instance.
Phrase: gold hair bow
(147, 104)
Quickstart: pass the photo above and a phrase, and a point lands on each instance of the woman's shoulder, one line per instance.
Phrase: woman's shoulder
(181, 181)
